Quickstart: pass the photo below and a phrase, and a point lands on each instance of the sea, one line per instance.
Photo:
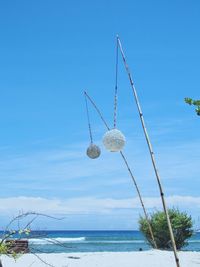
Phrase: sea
(95, 241)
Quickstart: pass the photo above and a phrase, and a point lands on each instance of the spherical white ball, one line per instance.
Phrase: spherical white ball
(93, 151)
(114, 140)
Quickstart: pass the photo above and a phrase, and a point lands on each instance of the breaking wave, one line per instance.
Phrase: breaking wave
(44, 241)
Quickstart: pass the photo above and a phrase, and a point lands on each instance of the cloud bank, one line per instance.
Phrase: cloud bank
(90, 205)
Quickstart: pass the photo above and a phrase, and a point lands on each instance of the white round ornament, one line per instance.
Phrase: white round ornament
(114, 140)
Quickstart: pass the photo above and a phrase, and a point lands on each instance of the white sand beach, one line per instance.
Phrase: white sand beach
(151, 258)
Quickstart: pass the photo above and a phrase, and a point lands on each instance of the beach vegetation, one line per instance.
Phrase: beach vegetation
(195, 103)
(181, 225)
(14, 243)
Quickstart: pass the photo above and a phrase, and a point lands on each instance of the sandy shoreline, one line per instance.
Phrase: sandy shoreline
(151, 258)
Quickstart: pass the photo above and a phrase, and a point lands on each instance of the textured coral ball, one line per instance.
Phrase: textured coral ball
(114, 140)
(93, 151)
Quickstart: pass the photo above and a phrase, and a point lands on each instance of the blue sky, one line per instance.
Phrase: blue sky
(50, 51)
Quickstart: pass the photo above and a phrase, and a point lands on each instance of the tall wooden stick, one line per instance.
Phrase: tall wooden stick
(151, 154)
(129, 170)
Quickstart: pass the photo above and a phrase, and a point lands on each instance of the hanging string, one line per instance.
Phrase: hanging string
(97, 109)
(116, 84)
(88, 118)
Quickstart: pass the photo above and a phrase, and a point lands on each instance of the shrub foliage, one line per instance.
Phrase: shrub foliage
(181, 224)
(195, 103)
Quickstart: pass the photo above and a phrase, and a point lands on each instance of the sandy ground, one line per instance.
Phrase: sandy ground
(152, 258)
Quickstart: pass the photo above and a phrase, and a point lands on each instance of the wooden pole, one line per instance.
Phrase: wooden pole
(151, 154)
(129, 170)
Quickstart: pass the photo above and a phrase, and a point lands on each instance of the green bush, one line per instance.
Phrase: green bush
(181, 224)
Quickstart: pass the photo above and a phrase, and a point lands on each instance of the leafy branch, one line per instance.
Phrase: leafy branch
(195, 103)
(9, 238)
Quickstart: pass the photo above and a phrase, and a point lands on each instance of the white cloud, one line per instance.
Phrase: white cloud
(89, 205)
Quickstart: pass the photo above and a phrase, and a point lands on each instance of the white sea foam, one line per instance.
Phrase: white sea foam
(116, 241)
(44, 241)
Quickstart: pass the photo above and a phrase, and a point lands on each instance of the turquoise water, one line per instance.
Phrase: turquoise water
(95, 241)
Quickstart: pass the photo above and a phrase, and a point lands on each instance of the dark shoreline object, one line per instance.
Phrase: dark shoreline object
(17, 246)
(72, 257)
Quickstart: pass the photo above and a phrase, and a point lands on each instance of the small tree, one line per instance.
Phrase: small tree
(181, 224)
(196, 103)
